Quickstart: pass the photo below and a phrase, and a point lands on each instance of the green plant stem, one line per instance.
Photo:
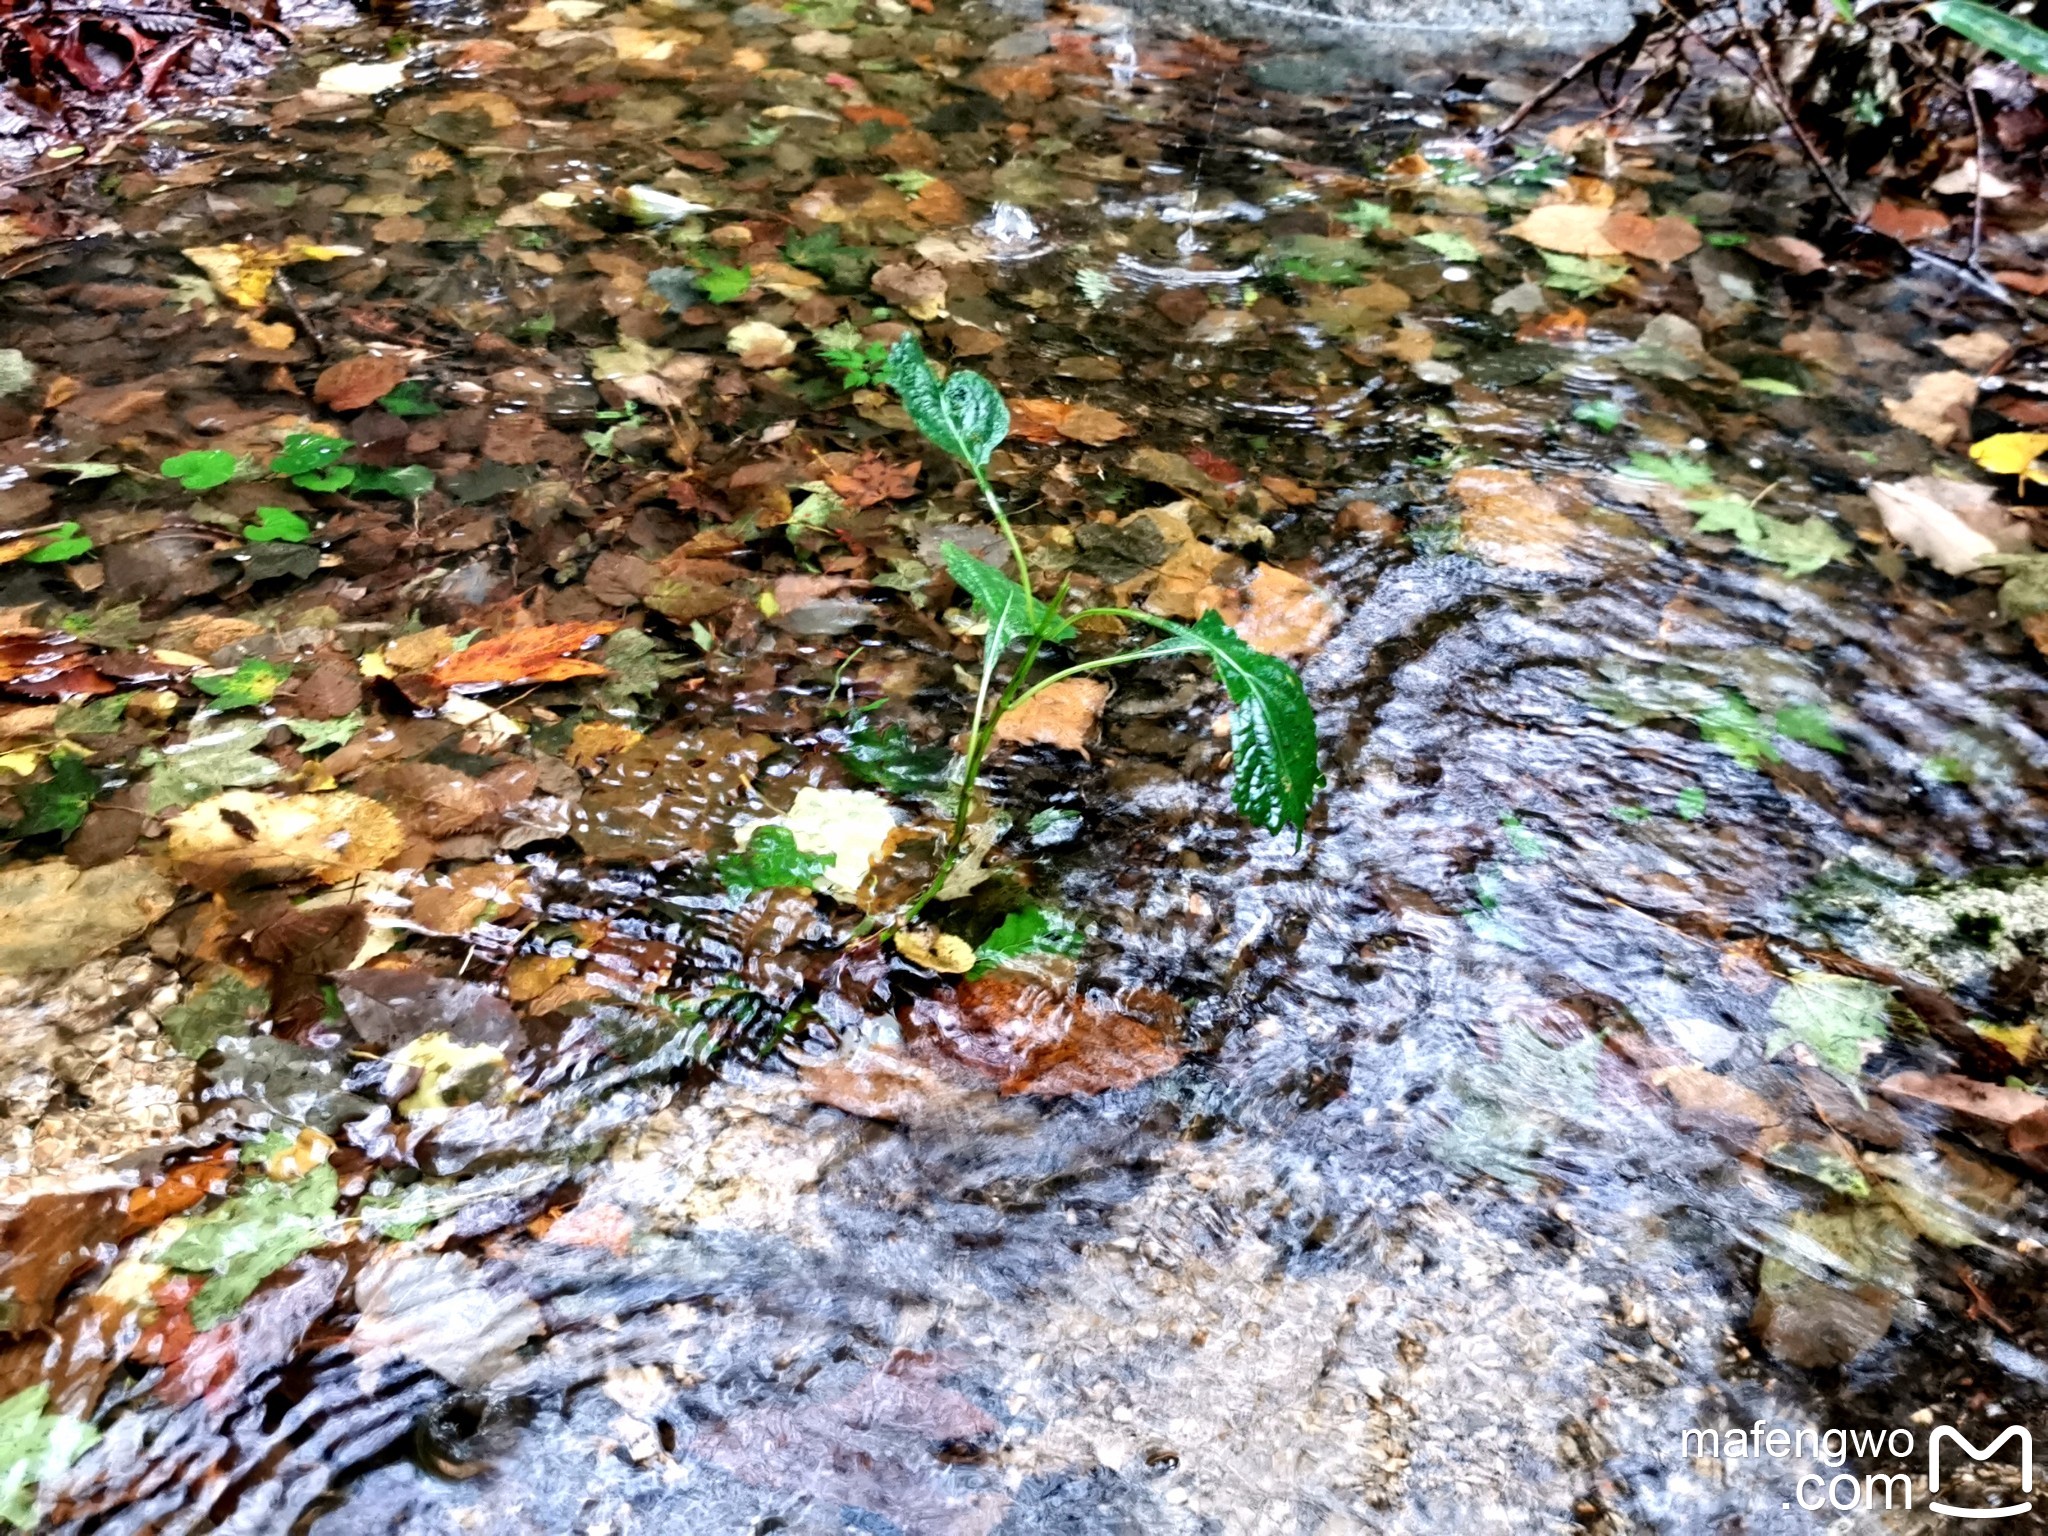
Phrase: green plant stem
(995, 505)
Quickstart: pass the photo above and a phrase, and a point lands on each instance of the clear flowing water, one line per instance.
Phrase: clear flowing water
(1419, 1235)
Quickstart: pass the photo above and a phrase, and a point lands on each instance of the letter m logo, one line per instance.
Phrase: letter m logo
(1934, 1471)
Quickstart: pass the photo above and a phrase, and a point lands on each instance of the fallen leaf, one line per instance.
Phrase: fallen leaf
(1032, 1038)
(2012, 453)
(1799, 257)
(242, 274)
(542, 653)
(920, 291)
(592, 1224)
(1969, 180)
(442, 1311)
(848, 826)
(360, 381)
(54, 916)
(758, 344)
(1572, 229)
(1907, 224)
(1062, 715)
(1662, 240)
(1050, 421)
(1281, 614)
(1977, 351)
(245, 837)
(1959, 527)
(1938, 408)
(946, 953)
(1510, 519)
(1965, 1096)
(595, 740)
(362, 79)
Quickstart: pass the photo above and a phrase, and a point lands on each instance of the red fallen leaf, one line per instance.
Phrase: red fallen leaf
(167, 1336)
(1908, 224)
(360, 381)
(1216, 467)
(1035, 1039)
(542, 653)
(2024, 282)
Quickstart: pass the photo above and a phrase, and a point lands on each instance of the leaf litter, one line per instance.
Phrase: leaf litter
(659, 502)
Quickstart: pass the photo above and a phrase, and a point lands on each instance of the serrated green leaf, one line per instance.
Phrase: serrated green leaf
(1095, 286)
(1272, 723)
(304, 453)
(250, 1237)
(59, 803)
(724, 285)
(1029, 931)
(2007, 36)
(1012, 613)
(1728, 514)
(277, 525)
(226, 1006)
(772, 861)
(202, 469)
(219, 755)
(410, 399)
(319, 735)
(67, 543)
(966, 418)
(1840, 1019)
(890, 758)
(1366, 217)
(252, 683)
(1802, 548)
(1692, 802)
(1673, 469)
(1449, 245)
(34, 1446)
(1581, 276)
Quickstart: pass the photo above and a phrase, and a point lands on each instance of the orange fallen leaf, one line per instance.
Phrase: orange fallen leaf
(360, 381)
(1565, 327)
(1064, 715)
(543, 653)
(1052, 421)
(1662, 240)
(1281, 614)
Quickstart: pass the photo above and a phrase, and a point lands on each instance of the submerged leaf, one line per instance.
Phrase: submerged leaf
(34, 1445)
(252, 683)
(1029, 931)
(250, 1237)
(1840, 1019)
(771, 860)
(890, 758)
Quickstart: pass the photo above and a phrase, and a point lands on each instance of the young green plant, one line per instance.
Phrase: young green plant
(1272, 725)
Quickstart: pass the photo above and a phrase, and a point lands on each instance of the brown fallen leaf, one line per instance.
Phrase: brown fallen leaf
(357, 382)
(1977, 351)
(1907, 224)
(595, 740)
(1958, 525)
(1799, 257)
(1032, 1038)
(1570, 229)
(1510, 519)
(1281, 614)
(1050, 421)
(886, 1083)
(543, 653)
(919, 291)
(1662, 240)
(246, 837)
(54, 916)
(1938, 408)
(1063, 715)
(1965, 1096)
(1700, 1092)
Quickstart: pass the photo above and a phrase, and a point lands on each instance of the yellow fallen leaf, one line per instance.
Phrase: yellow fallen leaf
(935, 951)
(445, 1067)
(2012, 453)
(243, 273)
(261, 333)
(246, 837)
(847, 826)
(1571, 229)
(595, 740)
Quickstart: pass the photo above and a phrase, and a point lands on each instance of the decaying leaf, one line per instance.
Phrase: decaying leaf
(357, 382)
(54, 915)
(848, 826)
(1938, 408)
(946, 953)
(245, 837)
(1959, 527)
(1033, 1038)
(1571, 229)
(243, 273)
